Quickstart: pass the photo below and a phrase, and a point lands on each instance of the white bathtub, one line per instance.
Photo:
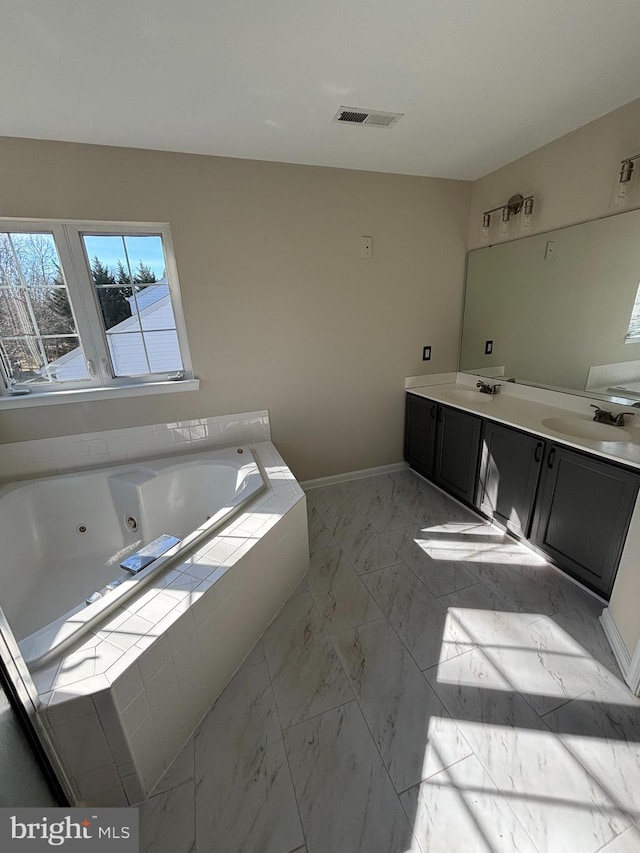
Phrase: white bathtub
(64, 537)
(118, 704)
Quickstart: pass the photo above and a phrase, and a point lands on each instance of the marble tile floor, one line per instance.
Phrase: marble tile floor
(431, 687)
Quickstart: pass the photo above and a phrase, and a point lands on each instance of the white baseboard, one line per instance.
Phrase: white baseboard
(633, 676)
(629, 667)
(353, 475)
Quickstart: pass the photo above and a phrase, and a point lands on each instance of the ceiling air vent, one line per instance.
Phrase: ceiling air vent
(367, 118)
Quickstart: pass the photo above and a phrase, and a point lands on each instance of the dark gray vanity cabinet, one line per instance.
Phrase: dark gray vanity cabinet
(443, 444)
(582, 514)
(420, 434)
(574, 507)
(457, 452)
(509, 474)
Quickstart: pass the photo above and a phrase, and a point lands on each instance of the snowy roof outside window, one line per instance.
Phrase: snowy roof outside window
(148, 333)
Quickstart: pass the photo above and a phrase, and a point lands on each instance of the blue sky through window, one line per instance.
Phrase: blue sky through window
(109, 249)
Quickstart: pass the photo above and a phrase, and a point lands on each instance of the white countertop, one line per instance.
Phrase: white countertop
(509, 407)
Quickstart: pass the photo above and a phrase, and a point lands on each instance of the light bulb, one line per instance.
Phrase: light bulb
(528, 212)
(622, 191)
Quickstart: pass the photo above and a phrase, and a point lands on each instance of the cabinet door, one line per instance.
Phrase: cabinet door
(419, 433)
(509, 476)
(457, 452)
(582, 515)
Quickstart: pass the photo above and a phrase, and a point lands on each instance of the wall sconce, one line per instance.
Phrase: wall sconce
(510, 209)
(626, 173)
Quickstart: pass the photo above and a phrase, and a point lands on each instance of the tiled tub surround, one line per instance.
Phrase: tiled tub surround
(432, 686)
(120, 705)
(40, 457)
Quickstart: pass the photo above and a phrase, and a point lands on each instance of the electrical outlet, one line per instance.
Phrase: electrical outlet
(367, 247)
(488, 347)
(426, 353)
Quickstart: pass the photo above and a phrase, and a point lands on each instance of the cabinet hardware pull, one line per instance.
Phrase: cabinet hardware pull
(439, 416)
(433, 412)
(537, 458)
(552, 453)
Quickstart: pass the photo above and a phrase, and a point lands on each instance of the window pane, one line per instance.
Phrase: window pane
(116, 309)
(107, 259)
(146, 258)
(52, 310)
(65, 357)
(38, 337)
(38, 259)
(154, 304)
(163, 351)
(9, 276)
(128, 354)
(129, 275)
(15, 317)
(37, 360)
(634, 323)
(22, 359)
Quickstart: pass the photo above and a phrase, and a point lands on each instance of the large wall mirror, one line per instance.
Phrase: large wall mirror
(559, 309)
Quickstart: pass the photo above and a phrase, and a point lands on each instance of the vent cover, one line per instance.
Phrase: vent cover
(367, 118)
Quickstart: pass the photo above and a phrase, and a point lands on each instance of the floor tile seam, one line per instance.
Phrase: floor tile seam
(169, 790)
(419, 579)
(337, 634)
(510, 602)
(618, 812)
(286, 751)
(372, 737)
(606, 844)
(454, 591)
(379, 568)
(438, 772)
(557, 707)
(632, 821)
(315, 716)
(409, 652)
(397, 633)
(330, 636)
(487, 654)
(362, 584)
(428, 588)
(507, 803)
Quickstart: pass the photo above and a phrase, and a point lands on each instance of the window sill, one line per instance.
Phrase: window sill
(86, 395)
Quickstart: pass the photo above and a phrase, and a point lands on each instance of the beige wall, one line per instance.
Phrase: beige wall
(572, 178)
(573, 181)
(281, 310)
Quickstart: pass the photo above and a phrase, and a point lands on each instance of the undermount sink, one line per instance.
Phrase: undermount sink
(582, 428)
(467, 396)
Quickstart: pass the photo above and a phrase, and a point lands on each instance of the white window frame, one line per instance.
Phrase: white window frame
(76, 269)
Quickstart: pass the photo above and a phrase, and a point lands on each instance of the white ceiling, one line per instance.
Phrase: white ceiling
(481, 82)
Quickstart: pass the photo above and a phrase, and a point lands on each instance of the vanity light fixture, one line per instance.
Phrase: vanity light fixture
(626, 173)
(511, 208)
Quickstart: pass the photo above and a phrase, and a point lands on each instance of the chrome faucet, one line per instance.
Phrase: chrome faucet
(485, 388)
(604, 416)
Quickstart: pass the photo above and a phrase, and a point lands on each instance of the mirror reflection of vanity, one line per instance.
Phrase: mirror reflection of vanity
(554, 309)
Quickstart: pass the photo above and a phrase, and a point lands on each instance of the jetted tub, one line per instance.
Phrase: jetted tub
(64, 537)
